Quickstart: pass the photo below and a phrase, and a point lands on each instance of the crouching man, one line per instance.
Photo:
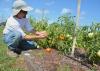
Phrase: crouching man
(14, 36)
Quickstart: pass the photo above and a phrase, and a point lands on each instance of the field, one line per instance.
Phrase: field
(60, 38)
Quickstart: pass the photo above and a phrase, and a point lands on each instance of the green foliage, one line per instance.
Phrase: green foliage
(89, 39)
(60, 36)
(59, 33)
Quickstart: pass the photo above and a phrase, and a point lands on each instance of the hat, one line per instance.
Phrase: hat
(19, 5)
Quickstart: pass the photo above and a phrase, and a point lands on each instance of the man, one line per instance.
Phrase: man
(14, 36)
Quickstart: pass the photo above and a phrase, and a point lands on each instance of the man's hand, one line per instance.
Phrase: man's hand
(42, 34)
(37, 35)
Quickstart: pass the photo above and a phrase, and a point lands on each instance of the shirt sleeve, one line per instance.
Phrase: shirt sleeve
(21, 31)
(28, 26)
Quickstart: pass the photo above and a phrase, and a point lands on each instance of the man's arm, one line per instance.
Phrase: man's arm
(33, 37)
(36, 35)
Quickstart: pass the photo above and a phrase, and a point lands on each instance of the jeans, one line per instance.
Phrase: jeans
(15, 43)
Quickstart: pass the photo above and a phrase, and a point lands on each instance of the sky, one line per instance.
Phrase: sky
(52, 9)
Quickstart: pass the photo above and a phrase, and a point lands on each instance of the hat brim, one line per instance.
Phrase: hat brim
(16, 11)
(28, 8)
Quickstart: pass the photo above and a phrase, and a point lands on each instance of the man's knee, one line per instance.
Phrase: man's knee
(32, 43)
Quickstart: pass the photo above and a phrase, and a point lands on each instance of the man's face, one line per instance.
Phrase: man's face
(22, 14)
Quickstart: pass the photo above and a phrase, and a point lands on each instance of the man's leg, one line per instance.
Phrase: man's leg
(12, 39)
(27, 45)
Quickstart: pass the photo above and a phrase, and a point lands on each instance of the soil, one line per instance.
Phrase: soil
(42, 60)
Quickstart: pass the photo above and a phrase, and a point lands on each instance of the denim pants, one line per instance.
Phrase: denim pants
(15, 43)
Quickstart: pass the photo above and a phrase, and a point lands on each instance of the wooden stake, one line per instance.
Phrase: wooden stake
(76, 27)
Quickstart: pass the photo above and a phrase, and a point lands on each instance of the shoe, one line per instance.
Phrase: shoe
(38, 46)
(12, 54)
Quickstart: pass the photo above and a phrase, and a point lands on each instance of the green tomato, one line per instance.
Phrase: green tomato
(90, 35)
(68, 35)
(98, 53)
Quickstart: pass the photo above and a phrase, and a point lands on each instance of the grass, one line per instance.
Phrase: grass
(6, 62)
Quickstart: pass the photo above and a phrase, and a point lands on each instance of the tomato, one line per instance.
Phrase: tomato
(48, 49)
(90, 35)
(98, 53)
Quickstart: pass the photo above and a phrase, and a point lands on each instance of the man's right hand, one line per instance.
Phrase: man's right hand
(38, 35)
